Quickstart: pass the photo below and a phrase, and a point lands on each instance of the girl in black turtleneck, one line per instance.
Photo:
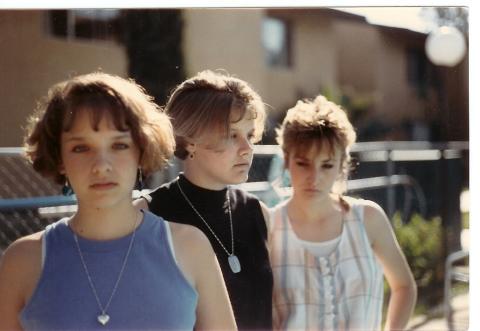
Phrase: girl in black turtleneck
(216, 119)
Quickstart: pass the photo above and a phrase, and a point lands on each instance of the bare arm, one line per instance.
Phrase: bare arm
(200, 266)
(396, 269)
(19, 272)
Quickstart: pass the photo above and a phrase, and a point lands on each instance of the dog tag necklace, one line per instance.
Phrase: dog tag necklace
(233, 260)
(104, 318)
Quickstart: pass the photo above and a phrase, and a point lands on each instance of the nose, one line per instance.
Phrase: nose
(246, 146)
(313, 176)
(101, 164)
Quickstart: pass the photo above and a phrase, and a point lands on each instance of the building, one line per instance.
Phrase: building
(34, 57)
(380, 74)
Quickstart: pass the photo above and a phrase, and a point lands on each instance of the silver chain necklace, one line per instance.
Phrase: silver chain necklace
(233, 260)
(103, 318)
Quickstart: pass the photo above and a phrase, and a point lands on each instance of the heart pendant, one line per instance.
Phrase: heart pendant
(103, 319)
(234, 264)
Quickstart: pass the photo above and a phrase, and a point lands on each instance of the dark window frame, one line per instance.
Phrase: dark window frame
(285, 58)
(82, 25)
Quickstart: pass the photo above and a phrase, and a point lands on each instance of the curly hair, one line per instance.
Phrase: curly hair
(208, 103)
(123, 101)
(319, 123)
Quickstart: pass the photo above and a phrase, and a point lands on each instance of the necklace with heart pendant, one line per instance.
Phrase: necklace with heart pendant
(104, 318)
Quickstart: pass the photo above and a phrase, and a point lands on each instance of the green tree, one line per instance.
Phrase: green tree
(153, 41)
(449, 16)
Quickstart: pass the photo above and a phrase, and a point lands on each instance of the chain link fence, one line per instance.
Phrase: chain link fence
(406, 176)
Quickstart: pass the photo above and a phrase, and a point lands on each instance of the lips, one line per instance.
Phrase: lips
(103, 185)
(242, 166)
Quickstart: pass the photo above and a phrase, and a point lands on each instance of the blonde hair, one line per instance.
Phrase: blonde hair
(319, 123)
(207, 103)
(125, 102)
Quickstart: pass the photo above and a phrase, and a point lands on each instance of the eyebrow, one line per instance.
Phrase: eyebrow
(116, 137)
(306, 158)
(237, 130)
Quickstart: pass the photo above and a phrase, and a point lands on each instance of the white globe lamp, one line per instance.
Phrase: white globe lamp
(445, 46)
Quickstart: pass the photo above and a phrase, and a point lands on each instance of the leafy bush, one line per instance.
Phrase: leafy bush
(421, 242)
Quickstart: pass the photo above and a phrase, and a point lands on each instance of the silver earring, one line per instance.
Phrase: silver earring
(67, 189)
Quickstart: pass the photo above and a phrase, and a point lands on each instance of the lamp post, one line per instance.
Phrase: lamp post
(445, 46)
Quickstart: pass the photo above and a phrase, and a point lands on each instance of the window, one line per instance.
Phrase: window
(100, 24)
(276, 42)
(417, 70)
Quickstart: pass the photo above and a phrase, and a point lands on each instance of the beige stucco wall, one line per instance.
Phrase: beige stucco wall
(374, 64)
(230, 39)
(358, 49)
(227, 39)
(313, 63)
(31, 61)
(398, 99)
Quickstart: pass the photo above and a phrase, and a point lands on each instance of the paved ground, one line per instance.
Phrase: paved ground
(461, 316)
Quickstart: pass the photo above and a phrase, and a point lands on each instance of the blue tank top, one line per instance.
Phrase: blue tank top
(153, 293)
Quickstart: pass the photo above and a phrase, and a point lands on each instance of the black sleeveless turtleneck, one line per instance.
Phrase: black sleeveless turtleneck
(250, 290)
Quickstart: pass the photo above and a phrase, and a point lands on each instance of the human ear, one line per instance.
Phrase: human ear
(191, 147)
(61, 169)
(286, 158)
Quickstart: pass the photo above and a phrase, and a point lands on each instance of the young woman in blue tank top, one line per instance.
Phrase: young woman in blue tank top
(330, 252)
(110, 266)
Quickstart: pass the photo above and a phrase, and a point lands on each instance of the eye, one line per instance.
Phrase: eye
(251, 136)
(121, 146)
(79, 148)
(301, 163)
(327, 166)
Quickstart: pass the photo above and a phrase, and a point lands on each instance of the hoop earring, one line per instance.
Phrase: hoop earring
(140, 179)
(67, 188)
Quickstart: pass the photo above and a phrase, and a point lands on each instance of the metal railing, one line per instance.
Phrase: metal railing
(28, 202)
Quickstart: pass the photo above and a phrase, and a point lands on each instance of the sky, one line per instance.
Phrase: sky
(383, 12)
(386, 12)
(403, 17)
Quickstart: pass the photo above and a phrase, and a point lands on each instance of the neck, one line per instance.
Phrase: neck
(312, 210)
(190, 172)
(105, 223)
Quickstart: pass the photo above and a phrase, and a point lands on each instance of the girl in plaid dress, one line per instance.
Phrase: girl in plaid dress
(330, 252)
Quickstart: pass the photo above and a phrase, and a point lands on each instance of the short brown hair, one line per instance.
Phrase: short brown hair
(128, 106)
(206, 102)
(319, 123)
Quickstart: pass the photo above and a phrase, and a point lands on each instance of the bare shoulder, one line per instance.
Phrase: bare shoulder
(20, 268)
(193, 251)
(375, 220)
(189, 238)
(24, 251)
(184, 233)
(373, 212)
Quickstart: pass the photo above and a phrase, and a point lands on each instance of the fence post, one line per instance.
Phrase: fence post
(451, 184)
(390, 165)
